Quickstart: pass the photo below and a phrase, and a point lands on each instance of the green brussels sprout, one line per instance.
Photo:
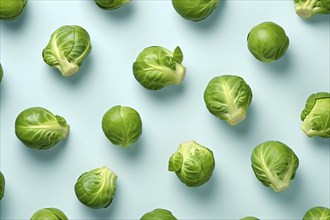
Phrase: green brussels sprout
(122, 125)
(274, 164)
(267, 42)
(96, 188)
(309, 8)
(40, 129)
(69, 45)
(2, 185)
(192, 163)
(249, 218)
(316, 115)
(228, 97)
(10, 9)
(156, 67)
(1, 72)
(49, 214)
(317, 213)
(195, 10)
(158, 214)
(111, 4)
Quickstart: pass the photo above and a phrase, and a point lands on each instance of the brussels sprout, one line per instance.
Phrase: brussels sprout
(267, 42)
(192, 163)
(158, 214)
(309, 8)
(317, 213)
(67, 48)
(49, 214)
(39, 129)
(1, 72)
(10, 9)
(111, 4)
(96, 188)
(195, 10)
(274, 164)
(316, 115)
(122, 125)
(2, 185)
(228, 97)
(249, 218)
(157, 67)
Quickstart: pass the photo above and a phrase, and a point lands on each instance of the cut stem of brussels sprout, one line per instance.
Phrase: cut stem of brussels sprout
(236, 116)
(308, 8)
(67, 68)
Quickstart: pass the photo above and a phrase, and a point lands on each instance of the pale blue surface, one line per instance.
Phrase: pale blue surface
(216, 46)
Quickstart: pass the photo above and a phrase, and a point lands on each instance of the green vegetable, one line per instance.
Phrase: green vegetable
(39, 129)
(195, 10)
(122, 125)
(309, 8)
(316, 115)
(317, 213)
(192, 163)
(67, 48)
(96, 188)
(156, 67)
(111, 4)
(1, 72)
(249, 218)
(158, 214)
(267, 42)
(228, 97)
(274, 164)
(10, 9)
(49, 214)
(2, 185)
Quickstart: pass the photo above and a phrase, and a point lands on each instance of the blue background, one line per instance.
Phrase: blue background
(215, 46)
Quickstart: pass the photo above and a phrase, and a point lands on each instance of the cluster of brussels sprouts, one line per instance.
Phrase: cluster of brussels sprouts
(227, 97)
